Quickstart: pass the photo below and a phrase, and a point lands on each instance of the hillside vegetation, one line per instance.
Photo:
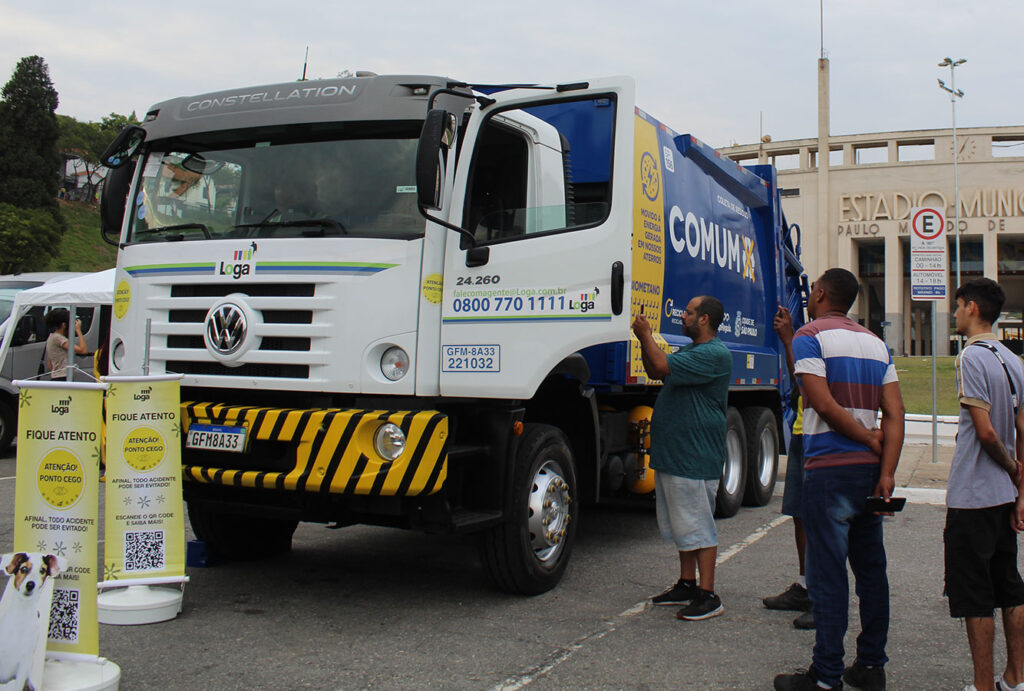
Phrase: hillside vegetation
(82, 248)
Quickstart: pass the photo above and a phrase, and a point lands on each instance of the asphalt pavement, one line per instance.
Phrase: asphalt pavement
(374, 608)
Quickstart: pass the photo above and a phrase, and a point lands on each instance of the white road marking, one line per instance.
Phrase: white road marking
(558, 657)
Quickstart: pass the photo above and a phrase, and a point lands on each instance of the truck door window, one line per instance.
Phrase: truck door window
(542, 169)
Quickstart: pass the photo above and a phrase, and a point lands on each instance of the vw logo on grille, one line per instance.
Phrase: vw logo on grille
(226, 328)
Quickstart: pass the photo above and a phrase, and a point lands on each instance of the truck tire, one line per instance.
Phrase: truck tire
(733, 482)
(232, 536)
(762, 455)
(527, 554)
(8, 426)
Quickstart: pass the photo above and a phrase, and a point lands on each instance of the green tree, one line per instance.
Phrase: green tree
(82, 143)
(28, 238)
(29, 161)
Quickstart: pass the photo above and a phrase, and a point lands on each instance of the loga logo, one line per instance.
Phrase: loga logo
(586, 301)
(238, 269)
(712, 243)
(143, 394)
(62, 406)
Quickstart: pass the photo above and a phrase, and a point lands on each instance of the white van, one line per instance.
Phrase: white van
(25, 358)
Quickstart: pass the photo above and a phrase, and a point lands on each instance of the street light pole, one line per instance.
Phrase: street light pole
(954, 94)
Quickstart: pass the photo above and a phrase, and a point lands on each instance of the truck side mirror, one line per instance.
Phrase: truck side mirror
(124, 146)
(113, 201)
(437, 136)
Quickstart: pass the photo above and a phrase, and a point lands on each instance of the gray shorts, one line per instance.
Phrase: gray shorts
(686, 511)
(794, 489)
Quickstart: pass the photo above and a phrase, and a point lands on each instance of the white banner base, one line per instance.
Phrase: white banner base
(138, 604)
(99, 674)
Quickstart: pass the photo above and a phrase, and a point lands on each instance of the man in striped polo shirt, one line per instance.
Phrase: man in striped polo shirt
(846, 375)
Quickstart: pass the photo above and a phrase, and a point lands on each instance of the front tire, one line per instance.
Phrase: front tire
(528, 553)
(734, 474)
(762, 455)
(233, 536)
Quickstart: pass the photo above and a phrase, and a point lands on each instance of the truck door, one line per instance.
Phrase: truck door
(546, 192)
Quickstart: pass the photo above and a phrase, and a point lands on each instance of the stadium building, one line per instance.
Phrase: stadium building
(853, 209)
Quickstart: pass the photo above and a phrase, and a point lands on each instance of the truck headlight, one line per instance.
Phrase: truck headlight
(389, 441)
(394, 363)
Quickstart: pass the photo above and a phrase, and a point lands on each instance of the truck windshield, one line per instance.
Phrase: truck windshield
(295, 182)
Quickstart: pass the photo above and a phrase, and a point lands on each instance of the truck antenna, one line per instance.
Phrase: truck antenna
(305, 62)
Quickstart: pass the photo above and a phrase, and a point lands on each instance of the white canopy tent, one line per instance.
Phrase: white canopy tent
(91, 289)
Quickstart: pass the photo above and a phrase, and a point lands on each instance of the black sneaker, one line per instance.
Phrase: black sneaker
(679, 594)
(800, 681)
(794, 598)
(865, 678)
(704, 606)
(805, 620)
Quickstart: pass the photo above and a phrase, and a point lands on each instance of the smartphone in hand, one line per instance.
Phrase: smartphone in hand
(880, 505)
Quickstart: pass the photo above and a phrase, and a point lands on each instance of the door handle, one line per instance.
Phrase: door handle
(617, 287)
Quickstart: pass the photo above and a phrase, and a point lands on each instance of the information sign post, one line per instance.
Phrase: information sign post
(928, 268)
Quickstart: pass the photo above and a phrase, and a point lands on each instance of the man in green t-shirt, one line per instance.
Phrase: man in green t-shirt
(688, 449)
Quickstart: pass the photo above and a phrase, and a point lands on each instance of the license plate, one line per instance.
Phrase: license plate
(216, 438)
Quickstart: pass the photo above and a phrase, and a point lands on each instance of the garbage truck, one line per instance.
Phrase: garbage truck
(406, 301)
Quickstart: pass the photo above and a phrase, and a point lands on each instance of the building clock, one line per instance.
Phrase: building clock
(966, 146)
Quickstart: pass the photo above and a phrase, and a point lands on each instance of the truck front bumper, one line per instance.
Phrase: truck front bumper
(327, 451)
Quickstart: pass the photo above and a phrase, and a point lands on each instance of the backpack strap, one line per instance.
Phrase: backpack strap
(1013, 389)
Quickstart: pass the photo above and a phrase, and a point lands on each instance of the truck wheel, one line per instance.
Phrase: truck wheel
(240, 537)
(733, 482)
(762, 455)
(8, 425)
(529, 551)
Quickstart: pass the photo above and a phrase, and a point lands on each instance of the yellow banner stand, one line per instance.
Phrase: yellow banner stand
(145, 517)
(57, 512)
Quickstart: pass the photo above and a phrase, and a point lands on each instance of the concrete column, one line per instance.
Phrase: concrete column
(849, 258)
(894, 310)
(942, 333)
(990, 251)
(908, 315)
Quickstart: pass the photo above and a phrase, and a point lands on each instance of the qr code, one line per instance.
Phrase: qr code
(144, 550)
(64, 615)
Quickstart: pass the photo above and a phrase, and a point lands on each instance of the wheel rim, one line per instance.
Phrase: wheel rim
(734, 459)
(766, 457)
(549, 511)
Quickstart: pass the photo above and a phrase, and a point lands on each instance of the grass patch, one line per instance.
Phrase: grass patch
(916, 384)
(82, 248)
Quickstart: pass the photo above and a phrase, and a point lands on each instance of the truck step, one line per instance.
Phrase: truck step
(463, 520)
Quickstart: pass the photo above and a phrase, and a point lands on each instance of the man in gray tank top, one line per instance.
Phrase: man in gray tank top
(983, 497)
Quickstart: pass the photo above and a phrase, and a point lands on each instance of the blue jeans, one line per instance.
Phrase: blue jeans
(837, 530)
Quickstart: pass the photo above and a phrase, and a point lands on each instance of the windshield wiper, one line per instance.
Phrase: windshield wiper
(180, 226)
(321, 224)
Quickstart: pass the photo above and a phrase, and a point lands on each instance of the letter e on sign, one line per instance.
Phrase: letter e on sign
(928, 259)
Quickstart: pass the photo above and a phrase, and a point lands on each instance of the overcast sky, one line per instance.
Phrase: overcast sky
(713, 69)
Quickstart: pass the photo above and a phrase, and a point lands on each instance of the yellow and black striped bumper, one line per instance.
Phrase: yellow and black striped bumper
(334, 450)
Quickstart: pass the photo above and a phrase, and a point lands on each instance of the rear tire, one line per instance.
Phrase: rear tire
(734, 474)
(762, 455)
(8, 426)
(233, 536)
(528, 553)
